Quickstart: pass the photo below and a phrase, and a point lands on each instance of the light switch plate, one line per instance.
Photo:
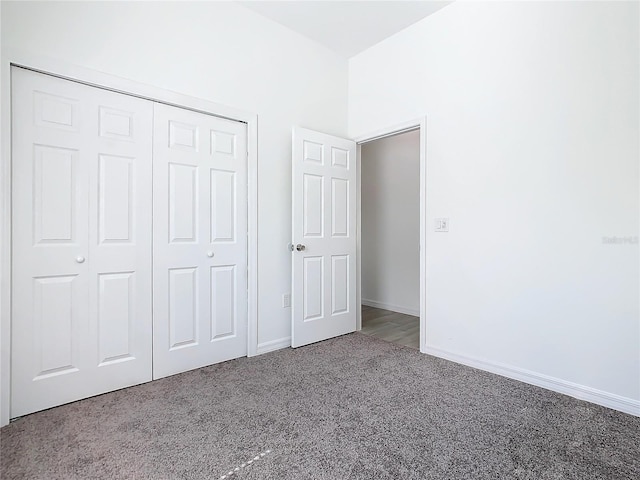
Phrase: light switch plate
(441, 224)
(286, 300)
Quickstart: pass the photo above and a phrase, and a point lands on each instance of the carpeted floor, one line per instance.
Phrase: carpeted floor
(353, 407)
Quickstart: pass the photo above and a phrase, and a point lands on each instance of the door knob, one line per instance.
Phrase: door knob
(300, 247)
(80, 259)
(209, 254)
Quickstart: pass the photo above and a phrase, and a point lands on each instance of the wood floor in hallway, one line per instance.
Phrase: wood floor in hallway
(391, 326)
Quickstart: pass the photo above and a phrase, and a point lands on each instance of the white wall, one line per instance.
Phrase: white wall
(390, 242)
(532, 151)
(218, 51)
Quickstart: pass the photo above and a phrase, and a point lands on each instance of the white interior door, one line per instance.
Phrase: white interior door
(324, 237)
(81, 262)
(200, 240)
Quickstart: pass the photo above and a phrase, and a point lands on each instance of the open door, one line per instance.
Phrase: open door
(324, 237)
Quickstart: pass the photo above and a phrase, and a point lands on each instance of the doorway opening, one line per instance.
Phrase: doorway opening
(391, 233)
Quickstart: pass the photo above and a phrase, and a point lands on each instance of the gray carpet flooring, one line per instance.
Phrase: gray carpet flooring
(354, 407)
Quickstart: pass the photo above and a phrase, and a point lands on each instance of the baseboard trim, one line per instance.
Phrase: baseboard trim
(389, 306)
(272, 345)
(581, 392)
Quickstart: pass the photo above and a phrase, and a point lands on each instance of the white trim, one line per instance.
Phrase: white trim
(358, 237)
(273, 345)
(581, 392)
(393, 133)
(128, 87)
(397, 129)
(424, 250)
(5, 243)
(252, 232)
(94, 78)
(391, 307)
(407, 126)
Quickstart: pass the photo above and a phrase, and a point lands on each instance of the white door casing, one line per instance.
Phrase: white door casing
(324, 226)
(81, 235)
(200, 240)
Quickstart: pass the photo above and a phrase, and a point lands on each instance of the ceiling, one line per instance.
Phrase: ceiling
(346, 27)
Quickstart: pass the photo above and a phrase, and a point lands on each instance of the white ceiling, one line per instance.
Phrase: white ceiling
(346, 27)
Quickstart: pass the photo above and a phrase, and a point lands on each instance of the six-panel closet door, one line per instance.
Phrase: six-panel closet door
(200, 240)
(101, 181)
(81, 231)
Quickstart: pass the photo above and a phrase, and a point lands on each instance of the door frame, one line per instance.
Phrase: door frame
(124, 86)
(416, 124)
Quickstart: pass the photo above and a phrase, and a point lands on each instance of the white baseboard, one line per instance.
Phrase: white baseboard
(389, 306)
(273, 345)
(581, 392)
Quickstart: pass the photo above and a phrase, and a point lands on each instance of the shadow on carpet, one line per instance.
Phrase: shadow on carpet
(353, 407)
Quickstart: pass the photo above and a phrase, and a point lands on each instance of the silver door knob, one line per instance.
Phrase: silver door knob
(300, 247)
(209, 254)
(80, 259)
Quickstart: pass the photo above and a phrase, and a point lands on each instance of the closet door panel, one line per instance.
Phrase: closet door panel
(81, 261)
(200, 247)
(120, 237)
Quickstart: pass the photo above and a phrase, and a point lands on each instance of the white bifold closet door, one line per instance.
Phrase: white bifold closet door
(101, 181)
(81, 227)
(200, 240)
